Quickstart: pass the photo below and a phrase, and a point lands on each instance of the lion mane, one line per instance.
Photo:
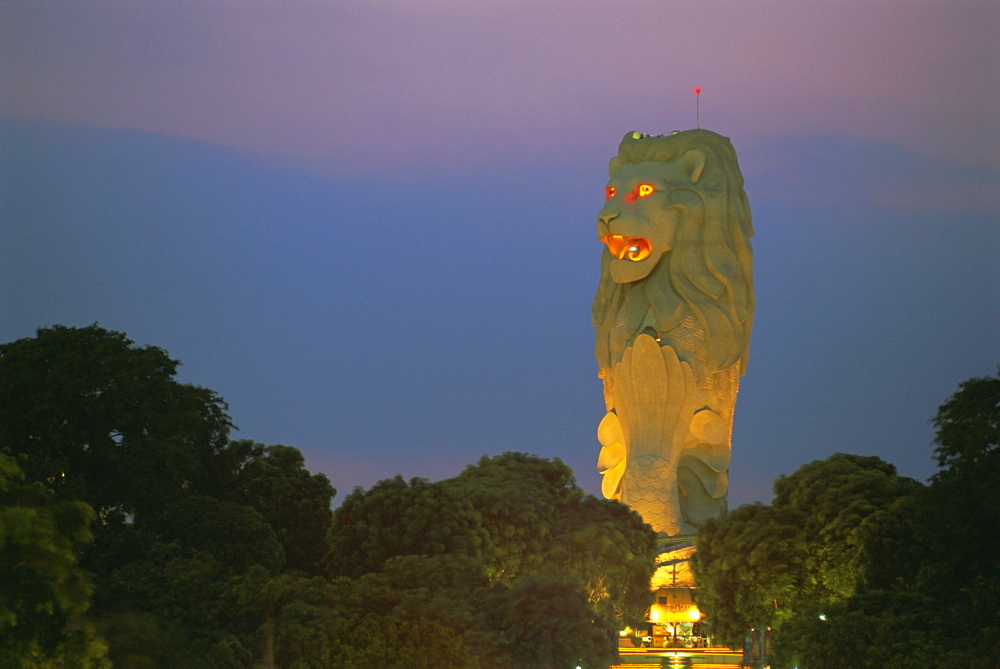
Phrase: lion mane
(707, 275)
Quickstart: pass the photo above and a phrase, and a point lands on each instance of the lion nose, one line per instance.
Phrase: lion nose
(605, 219)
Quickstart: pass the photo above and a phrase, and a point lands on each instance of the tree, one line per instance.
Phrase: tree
(928, 592)
(451, 590)
(142, 640)
(302, 618)
(836, 497)
(934, 544)
(107, 420)
(395, 518)
(519, 497)
(470, 553)
(893, 574)
(402, 617)
(750, 566)
(235, 536)
(765, 565)
(541, 523)
(273, 480)
(968, 429)
(612, 551)
(397, 644)
(548, 623)
(870, 630)
(43, 592)
(185, 520)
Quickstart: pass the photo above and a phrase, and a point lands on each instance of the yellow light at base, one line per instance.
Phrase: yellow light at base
(674, 605)
(659, 613)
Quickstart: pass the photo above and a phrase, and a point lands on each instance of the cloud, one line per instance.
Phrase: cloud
(839, 171)
(386, 86)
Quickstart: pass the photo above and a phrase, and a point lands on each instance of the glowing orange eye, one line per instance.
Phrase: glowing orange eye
(644, 189)
(609, 192)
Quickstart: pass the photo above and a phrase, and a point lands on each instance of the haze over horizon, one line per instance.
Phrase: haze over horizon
(370, 227)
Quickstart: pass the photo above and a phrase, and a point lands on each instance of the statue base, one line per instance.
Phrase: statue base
(673, 567)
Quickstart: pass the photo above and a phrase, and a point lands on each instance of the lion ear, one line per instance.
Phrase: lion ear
(694, 163)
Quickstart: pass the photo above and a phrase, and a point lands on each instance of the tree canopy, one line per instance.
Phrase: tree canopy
(185, 518)
(395, 517)
(853, 565)
(968, 429)
(461, 551)
(43, 591)
(135, 532)
(108, 420)
(295, 503)
(541, 523)
(750, 568)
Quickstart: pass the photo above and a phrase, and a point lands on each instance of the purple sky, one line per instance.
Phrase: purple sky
(369, 225)
(380, 85)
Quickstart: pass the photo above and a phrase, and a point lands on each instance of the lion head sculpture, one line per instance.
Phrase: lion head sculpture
(677, 230)
(676, 269)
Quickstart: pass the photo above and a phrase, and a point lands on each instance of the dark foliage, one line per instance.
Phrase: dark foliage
(855, 566)
(139, 533)
(395, 518)
(108, 421)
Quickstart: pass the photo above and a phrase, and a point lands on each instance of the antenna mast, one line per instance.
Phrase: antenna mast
(697, 106)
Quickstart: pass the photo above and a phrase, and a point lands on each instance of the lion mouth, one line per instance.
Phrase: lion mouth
(635, 249)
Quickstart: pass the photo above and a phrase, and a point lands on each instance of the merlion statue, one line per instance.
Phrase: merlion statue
(673, 313)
